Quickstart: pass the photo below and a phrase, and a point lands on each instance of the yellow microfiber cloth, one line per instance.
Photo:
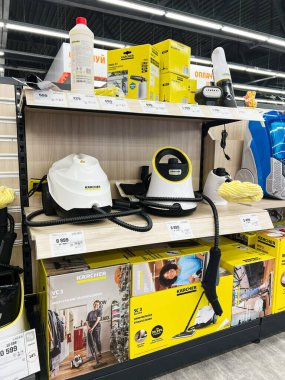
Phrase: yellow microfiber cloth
(7, 196)
(240, 192)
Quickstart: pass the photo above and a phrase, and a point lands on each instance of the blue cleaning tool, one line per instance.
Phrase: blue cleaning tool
(263, 160)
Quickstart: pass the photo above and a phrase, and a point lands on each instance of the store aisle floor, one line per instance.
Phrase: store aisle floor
(264, 361)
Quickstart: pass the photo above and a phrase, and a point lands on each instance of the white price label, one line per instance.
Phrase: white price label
(222, 112)
(153, 107)
(82, 101)
(67, 243)
(180, 230)
(49, 98)
(19, 356)
(190, 110)
(113, 104)
(250, 222)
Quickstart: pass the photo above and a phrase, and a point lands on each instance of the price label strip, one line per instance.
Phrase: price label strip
(19, 356)
(192, 110)
(82, 101)
(67, 243)
(113, 104)
(50, 98)
(222, 112)
(158, 108)
(180, 230)
(250, 222)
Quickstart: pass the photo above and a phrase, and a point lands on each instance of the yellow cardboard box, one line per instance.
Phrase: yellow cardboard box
(247, 238)
(68, 289)
(273, 243)
(253, 273)
(135, 70)
(209, 241)
(163, 319)
(192, 88)
(174, 57)
(173, 88)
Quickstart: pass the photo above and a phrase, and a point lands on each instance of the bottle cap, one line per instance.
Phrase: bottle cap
(81, 20)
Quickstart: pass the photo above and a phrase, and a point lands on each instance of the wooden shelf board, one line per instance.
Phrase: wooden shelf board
(106, 235)
(68, 101)
(268, 203)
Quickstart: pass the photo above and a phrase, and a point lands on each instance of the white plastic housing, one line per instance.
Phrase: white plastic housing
(211, 187)
(78, 181)
(220, 67)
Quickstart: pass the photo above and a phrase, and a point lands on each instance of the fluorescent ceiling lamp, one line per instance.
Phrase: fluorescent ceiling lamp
(276, 41)
(194, 20)
(259, 89)
(1, 53)
(244, 33)
(108, 43)
(33, 30)
(135, 6)
(263, 100)
(1, 69)
(1, 24)
(201, 60)
(237, 67)
(260, 71)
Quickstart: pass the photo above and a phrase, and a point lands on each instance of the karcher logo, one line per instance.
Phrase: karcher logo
(94, 187)
(175, 172)
(187, 290)
(251, 259)
(92, 276)
(266, 241)
(127, 55)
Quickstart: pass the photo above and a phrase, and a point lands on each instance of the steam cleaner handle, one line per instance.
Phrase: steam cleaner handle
(6, 247)
(211, 279)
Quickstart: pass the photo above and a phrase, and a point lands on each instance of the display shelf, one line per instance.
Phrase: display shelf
(105, 235)
(267, 203)
(70, 101)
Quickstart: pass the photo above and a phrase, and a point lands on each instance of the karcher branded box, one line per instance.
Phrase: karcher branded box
(163, 319)
(273, 243)
(174, 57)
(247, 238)
(173, 88)
(85, 312)
(192, 88)
(253, 273)
(209, 241)
(135, 70)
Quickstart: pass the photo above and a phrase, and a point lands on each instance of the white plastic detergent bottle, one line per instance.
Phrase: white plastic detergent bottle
(82, 66)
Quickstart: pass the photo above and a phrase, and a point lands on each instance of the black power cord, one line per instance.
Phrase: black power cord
(223, 143)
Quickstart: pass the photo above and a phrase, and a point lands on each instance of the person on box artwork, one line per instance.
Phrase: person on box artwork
(94, 327)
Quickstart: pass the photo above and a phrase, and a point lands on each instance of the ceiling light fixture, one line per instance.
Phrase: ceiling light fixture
(267, 90)
(276, 41)
(1, 24)
(1, 53)
(1, 69)
(201, 60)
(135, 6)
(259, 100)
(244, 33)
(237, 67)
(33, 30)
(108, 43)
(194, 20)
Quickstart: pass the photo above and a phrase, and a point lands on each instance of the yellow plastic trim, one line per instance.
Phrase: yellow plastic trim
(179, 150)
(21, 308)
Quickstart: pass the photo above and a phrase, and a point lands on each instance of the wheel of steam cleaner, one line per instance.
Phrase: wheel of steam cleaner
(78, 191)
(168, 191)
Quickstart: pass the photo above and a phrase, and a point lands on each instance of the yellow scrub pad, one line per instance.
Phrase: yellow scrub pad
(7, 196)
(238, 192)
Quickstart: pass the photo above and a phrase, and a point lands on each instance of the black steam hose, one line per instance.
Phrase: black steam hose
(99, 214)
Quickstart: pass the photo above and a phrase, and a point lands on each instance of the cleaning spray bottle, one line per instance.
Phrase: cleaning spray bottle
(82, 67)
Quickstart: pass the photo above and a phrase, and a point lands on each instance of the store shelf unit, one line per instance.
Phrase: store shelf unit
(56, 124)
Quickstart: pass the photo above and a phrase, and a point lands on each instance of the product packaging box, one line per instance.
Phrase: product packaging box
(174, 57)
(273, 243)
(192, 88)
(135, 70)
(247, 238)
(173, 88)
(253, 273)
(168, 305)
(85, 312)
(209, 241)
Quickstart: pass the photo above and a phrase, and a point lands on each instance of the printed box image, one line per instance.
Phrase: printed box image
(85, 312)
(176, 264)
(273, 243)
(178, 314)
(173, 88)
(135, 70)
(253, 273)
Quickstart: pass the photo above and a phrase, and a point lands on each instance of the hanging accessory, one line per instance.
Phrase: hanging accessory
(223, 143)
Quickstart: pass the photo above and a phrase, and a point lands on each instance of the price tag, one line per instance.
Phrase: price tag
(67, 243)
(250, 222)
(222, 112)
(49, 98)
(113, 104)
(82, 101)
(190, 110)
(180, 230)
(19, 356)
(153, 107)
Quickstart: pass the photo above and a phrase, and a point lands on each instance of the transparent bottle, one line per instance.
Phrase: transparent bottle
(82, 66)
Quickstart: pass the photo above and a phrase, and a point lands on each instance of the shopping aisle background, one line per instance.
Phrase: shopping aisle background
(252, 362)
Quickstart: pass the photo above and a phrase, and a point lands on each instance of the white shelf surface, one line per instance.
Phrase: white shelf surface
(67, 100)
(268, 203)
(105, 235)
